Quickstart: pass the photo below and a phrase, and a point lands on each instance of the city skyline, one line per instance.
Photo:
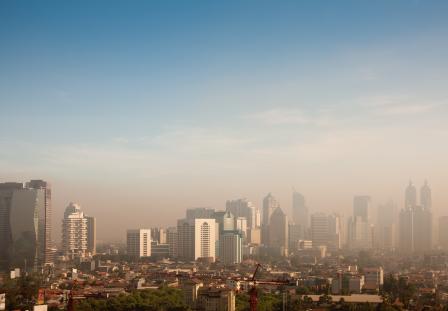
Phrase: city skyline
(149, 108)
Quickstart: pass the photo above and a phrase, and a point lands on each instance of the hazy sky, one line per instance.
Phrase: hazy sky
(139, 109)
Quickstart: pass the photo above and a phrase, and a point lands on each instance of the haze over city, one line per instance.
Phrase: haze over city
(138, 111)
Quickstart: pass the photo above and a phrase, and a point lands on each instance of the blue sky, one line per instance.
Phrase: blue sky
(221, 99)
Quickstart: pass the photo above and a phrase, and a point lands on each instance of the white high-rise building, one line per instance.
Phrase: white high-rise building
(196, 238)
(204, 238)
(74, 232)
(138, 243)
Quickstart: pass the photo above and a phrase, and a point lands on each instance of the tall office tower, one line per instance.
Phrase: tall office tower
(425, 196)
(270, 204)
(319, 229)
(91, 235)
(278, 233)
(360, 229)
(300, 212)
(243, 208)
(185, 242)
(254, 236)
(361, 206)
(6, 195)
(204, 238)
(158, 235)
(171, 239)
(74, 232)
(422, 229)
(410, 196)
(225, 221)
(200, 212)
(196, 238)
(406, 220)
(45, 242)
(26, 224)
(386, 228)
(406, 230)
(334, 232)
(257, 218)
(416, 221)
(138, 243)
(231, 247)
(241, 226)
(360, 234)
(443, 232)
(294, 236)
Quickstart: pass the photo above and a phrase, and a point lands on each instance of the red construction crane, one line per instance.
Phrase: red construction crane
(253, 299)
(253, 296)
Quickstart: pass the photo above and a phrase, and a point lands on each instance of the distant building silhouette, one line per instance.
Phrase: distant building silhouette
(25, 225)
(415, 222)
(300, 213)
(278, 233)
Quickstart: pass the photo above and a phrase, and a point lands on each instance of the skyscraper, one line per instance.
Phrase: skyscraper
(300, 213)
(278, 233)
(91, 235)
(231, 247)
(158, 235)
(422, 229)
(78, 232)
(138, 243)
(319, 229)
(171, 239)
(425, 196)
(406, 230)
(46, 244)
(410, 196)
(185, 239)
(416, 221)
(196, 238)
(443, 232)
(25, 225)
(334, 232)
(204, 238)
(361, 206)
(6, 194)
(243, 208)
(74, 232)
(360, 236)
(386, 228)
(200, 212)
(270, 204)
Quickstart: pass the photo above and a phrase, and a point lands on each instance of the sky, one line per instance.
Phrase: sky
(138, 110)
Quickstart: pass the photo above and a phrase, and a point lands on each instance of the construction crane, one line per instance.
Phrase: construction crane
(253, 295)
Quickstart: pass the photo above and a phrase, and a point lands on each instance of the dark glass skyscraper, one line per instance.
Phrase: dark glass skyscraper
(25, 224)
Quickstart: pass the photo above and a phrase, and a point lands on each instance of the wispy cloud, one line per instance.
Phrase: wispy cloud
(397, 105)
(290, 116)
